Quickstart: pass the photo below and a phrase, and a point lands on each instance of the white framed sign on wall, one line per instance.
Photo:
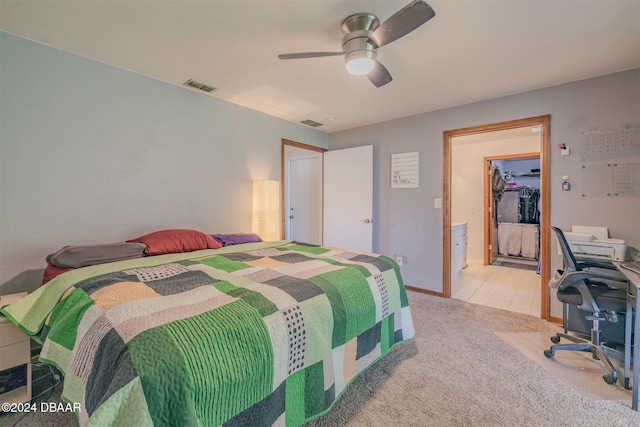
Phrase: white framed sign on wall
(405, 171)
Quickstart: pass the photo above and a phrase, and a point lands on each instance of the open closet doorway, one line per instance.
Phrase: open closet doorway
(301, 179)
(512, 210)
(471, 215)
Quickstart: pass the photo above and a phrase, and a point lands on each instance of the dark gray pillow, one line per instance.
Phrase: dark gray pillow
(83, 256)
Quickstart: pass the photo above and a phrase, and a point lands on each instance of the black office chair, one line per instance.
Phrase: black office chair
(593, 287)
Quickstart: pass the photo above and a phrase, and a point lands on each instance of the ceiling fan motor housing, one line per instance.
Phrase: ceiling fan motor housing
(360, 21)
(357, 42)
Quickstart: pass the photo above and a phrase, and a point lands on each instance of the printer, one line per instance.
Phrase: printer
(594, 243)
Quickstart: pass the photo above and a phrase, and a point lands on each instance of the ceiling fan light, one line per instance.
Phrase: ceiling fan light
(360, 62)
(360, 66)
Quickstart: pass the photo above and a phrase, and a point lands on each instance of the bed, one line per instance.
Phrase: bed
(265, 333)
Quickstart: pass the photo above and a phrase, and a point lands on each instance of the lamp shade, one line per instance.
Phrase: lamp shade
(265, 218)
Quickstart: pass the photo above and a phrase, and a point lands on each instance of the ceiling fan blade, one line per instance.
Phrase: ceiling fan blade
(308, 55)
(380, 75)
(403, 22)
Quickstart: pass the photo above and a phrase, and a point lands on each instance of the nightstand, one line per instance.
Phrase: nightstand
(15, 351)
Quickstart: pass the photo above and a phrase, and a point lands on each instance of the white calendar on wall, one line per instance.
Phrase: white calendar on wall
(609, 145)
(611, 180)
(611, 163)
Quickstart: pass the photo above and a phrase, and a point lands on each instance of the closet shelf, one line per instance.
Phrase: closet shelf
(531, 174)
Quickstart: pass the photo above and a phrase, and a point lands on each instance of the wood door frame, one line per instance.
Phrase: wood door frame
(283, 144)
(487, 196)
(545, 198)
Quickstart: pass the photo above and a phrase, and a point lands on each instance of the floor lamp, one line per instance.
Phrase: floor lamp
(265, 219)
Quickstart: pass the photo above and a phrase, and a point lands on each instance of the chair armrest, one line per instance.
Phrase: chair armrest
(573, 277)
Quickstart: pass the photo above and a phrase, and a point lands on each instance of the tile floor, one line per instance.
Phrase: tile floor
(507, 288)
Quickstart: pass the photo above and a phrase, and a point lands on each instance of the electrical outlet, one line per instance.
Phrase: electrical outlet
(399, 259)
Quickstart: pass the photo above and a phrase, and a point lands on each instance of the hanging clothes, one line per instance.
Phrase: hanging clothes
(529, 213)
(498, 184)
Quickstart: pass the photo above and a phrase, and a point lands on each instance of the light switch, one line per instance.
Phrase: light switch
(437, 203)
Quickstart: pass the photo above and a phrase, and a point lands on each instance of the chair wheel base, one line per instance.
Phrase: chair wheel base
(555, 339)
(549, 353)
(610, 379)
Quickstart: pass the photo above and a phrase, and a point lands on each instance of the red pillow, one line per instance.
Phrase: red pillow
(52, 271)
(176, 241)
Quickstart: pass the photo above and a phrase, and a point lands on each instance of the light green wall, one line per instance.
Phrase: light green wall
(90, 153)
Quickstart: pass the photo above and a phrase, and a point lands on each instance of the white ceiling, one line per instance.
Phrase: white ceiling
(470, 51)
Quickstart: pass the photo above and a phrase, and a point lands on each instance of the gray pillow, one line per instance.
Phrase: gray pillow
(83, 256)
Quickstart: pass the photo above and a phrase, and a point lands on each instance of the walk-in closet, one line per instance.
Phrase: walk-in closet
(516, 193)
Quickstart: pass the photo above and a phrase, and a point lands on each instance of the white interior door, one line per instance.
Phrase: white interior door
(304, 210)
(348, 198)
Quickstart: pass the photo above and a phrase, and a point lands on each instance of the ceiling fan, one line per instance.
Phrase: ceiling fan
(364, 34)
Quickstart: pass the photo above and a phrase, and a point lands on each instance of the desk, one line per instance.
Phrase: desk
(633, 304)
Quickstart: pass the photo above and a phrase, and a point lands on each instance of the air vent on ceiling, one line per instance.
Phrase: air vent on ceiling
(311, 123)
(199, 85)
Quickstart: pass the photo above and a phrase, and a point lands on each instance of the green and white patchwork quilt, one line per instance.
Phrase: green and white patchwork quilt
(253, 334)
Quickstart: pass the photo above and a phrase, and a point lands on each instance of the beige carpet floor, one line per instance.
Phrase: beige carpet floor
(469, 365)
(463, 370)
